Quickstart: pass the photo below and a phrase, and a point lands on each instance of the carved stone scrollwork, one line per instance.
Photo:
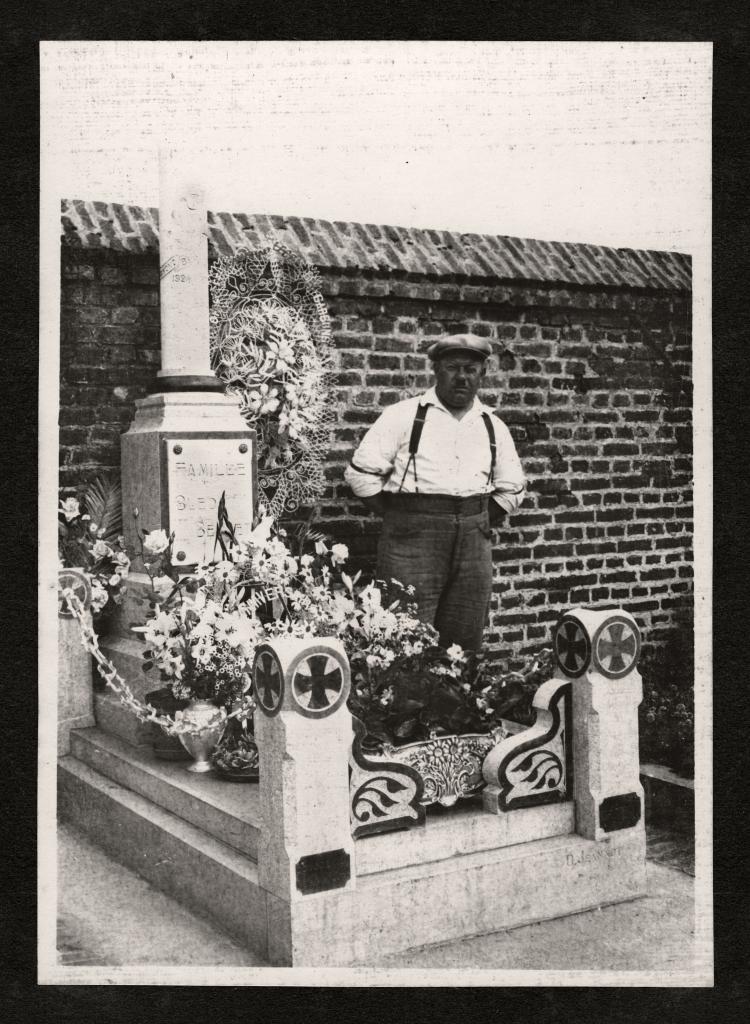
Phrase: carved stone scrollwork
(384, 795)
(534, 767)
(450, 766)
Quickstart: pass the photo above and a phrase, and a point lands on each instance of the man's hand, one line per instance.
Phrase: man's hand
(498, 515)
(374, 503)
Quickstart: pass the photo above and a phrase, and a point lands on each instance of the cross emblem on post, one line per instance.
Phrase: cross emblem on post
(267, 681)
(572, 647)
(616, 648)
(317, 683)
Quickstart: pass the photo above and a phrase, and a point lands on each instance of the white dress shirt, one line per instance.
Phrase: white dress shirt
(453, 455)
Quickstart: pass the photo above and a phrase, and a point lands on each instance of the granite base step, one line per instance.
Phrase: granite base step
(227, 811)
(208, 876)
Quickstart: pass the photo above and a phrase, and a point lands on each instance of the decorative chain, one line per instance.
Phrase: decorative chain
(113, 679)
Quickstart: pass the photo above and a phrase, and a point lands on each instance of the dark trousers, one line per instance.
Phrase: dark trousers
(442, 547)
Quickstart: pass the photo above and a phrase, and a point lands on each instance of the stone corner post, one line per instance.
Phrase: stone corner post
(598, 651)
(75, 694)
(304, 734)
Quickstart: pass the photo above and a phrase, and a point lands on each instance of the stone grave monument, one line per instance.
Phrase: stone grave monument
(337, 856)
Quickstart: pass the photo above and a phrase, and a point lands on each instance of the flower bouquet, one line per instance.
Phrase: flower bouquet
(201, 640)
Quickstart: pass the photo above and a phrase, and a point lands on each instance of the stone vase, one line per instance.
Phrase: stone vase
(203, 729)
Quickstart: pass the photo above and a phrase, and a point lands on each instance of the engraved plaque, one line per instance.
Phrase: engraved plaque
(319, 872)
(199, 471)
(616, 812)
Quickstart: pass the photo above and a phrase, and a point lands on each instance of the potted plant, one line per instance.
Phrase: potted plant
(89, 539)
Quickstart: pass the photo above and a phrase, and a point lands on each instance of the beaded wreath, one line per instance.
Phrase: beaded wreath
(270, 338)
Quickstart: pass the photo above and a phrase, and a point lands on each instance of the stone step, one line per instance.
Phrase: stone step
(113, 718)
(209, 877)
(231, 812)
(227, 811)
(111, 715)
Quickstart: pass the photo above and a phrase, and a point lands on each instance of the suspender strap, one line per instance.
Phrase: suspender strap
(490, 427)
(416, 429)
(416, 435)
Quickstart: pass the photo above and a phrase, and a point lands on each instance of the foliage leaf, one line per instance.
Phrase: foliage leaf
(103, 501)
(406, 728)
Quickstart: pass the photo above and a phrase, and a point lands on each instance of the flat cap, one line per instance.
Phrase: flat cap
(460, 343)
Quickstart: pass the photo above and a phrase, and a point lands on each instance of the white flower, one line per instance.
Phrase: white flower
(156, 542)
(115, 580)
(320, 547)
(70, 508)
(262, 532)
(100, 549)
(174, 666)
(455, 653)
(123, 566)
(99, 596)
(339, 554)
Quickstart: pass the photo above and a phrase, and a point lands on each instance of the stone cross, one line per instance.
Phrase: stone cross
(188, 441)
(183, 258)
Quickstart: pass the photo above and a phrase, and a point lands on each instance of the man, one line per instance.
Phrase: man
(442, 469)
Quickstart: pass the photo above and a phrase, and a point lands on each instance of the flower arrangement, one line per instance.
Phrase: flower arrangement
(406, 687)
(202, 639)
(89, 538)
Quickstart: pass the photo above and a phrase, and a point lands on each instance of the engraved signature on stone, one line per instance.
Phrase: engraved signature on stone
(172, 264)
(599, 853)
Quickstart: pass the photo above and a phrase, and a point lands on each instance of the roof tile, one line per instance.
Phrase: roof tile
(376, 247)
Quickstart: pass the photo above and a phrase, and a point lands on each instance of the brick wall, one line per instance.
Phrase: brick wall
(592, 375)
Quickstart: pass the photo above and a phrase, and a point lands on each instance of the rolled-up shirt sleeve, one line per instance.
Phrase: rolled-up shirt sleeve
(509, 483)
(372, 462)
